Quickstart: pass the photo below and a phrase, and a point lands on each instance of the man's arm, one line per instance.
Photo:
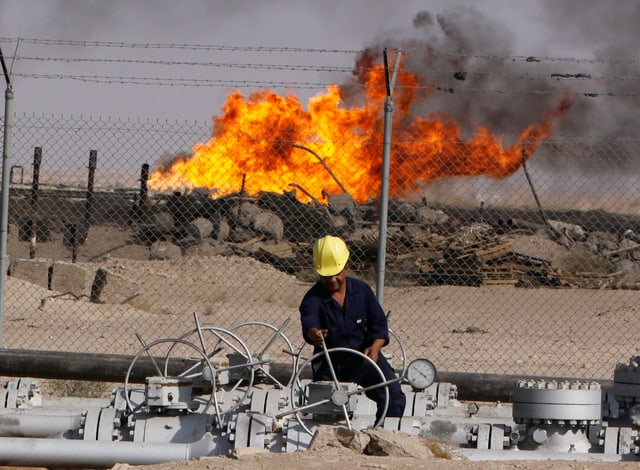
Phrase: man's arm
(316, 335)
(374, 350)
(310, 320)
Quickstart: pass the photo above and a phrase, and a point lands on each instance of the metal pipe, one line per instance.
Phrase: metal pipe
(33, 200)
(43, 424)
(71, 404)
(6, 176)
(384, 187)
(483, 455)
(89, 203)
(4, 208)
(113, 368)
(384, 204)
(324, 164)
(499, 387)
(73, 239)
(34, 452)
(78, 366)
(143, 202)
(35, 179)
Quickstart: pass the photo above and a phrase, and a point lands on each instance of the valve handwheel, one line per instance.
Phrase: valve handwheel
(396, 349)
(272, 343)
(339, 396)
(219, 342)
(162, 353)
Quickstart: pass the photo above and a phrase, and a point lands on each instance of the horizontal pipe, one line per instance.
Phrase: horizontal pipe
(499, 387)
(113, 368)
(33, 452)
(78, 366)
(74, 403)
(45, 424)
(480, 455)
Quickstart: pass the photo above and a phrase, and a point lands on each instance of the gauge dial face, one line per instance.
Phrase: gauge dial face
(421, 373)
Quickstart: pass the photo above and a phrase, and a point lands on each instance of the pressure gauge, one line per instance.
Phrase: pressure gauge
(421, 373)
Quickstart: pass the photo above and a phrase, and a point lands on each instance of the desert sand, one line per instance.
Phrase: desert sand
(564, 332)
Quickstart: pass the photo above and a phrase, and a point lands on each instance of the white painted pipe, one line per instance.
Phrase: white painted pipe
(42, 424)
(479, 455)
(34, 452)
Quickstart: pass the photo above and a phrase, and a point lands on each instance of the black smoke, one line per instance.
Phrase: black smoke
(470, 68)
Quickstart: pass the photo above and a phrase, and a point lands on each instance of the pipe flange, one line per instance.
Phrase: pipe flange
(21, 393)
(83, 422)
(564, 403)
(495, 437)
(619, 439)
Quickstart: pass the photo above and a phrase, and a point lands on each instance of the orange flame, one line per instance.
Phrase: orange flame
(269, 142)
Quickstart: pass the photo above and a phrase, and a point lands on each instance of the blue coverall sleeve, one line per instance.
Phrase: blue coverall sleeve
(376, 318)
(309, 316)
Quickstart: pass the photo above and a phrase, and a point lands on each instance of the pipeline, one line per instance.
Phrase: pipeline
(170, 419)
(38, 422)
(34, 452)
(113, 368)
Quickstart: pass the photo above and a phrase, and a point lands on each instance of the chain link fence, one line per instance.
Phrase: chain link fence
(527, 264)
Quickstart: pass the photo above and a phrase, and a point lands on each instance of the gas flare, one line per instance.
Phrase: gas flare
(269, 142)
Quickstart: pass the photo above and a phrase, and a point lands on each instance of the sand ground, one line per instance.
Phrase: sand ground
(567, 332)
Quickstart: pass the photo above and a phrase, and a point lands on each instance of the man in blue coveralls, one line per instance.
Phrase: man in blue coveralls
(343, 312)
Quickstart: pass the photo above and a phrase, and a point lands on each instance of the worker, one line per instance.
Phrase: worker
(342, 311)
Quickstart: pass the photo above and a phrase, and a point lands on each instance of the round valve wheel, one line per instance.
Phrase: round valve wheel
(269, 344)
(397, 349)
(395, 346)
(220, 345)
(173, 361)
(338, 396)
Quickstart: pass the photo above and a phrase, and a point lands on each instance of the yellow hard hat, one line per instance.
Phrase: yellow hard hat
(330, 255)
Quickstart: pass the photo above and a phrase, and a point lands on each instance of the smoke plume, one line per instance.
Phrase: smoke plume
(470, 70)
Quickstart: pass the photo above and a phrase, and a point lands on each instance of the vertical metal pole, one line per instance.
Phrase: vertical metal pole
(35, 183)
(88, 208)
(6, 175)
(384, 188)
(4, 209)
(144, 190)
(33, 230)
(37, 160)
(73, 238)
(384, 201)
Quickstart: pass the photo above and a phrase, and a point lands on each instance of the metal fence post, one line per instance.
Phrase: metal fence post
(35, 184)
(4, 208)
(93, 159)
(33, 199)
(384, 188)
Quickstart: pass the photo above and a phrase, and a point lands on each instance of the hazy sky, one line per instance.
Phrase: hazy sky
(553, 28)
(326, 24)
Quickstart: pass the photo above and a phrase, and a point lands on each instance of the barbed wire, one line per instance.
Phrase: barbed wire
(231, 48)
(236, 83)
(533, 59)
(581, 76)
(168, 81)
(71, 121)
(505, 91)
(291, 67)
(435, 74)
(198, 47)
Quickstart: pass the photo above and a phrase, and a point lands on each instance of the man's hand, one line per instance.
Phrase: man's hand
(316, 335)
(373, 351)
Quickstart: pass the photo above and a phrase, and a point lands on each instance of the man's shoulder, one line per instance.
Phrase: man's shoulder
(358, 284)
(314, 291)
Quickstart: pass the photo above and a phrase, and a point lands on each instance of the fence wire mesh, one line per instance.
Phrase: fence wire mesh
(124, 226)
